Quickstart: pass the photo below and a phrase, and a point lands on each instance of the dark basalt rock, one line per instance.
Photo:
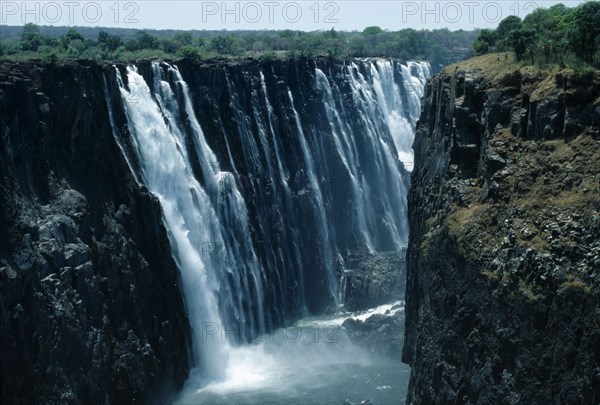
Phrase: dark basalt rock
(90, 306)
(503, 294)
(373, 279)
(381, 335)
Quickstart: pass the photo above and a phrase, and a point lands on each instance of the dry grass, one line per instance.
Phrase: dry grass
(494, 69)
(541, 81)
(574, 284)
(527, 289)
(553, 176)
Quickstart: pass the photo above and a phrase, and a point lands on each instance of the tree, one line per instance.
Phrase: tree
(190, 52)
(372, 30)
(333, 52)
(258, 46)
(332, 33)
(109, 42)
(71, 36)
(585, 30)
(484, 42)
(225, 45)
(30, 37)
(146, 40)
(183, 38)
(103, 37)
(358, 47)
(75, 47)
(522, 41)
(287, 34)
(417, 41)
(169, 45)
(551, 28)
(505, 29)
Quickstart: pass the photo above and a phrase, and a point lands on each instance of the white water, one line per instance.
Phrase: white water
(188, 214)
(233, 216)
(208, 242)
(310, 362)
(223, 280)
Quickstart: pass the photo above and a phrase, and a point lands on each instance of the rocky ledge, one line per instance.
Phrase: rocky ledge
(379, 334)
(503, 263)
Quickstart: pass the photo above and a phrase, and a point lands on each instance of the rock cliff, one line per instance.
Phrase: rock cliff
(503, 286)
(90, 306)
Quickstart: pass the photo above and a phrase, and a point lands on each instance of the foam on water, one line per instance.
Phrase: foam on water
(312, 361)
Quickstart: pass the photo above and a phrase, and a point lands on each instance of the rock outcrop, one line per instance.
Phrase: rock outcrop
(90, 305)
(373, 279)
(380, 334)
(503, 285)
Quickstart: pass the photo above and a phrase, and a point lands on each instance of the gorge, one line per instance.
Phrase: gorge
(231, 232)
(152, 209)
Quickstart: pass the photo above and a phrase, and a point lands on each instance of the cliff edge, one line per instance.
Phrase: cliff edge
(503, 286)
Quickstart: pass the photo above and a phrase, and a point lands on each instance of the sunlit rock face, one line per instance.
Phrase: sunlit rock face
(502, 289)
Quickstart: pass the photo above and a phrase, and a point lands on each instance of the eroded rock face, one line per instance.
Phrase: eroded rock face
(90, 306)
(373, 279)
(503, 289)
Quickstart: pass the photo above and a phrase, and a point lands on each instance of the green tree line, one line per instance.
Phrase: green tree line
(554, 35)
(440, 47)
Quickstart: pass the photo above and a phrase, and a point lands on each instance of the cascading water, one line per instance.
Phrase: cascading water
(322, 224)
(188, 214)
(268, 187)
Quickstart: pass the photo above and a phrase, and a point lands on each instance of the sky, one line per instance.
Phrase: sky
(307, 15)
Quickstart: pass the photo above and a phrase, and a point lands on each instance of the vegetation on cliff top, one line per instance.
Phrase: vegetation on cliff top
(555, 35)
(440, 47)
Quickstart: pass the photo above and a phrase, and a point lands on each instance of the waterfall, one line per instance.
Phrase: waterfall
(322, 225)
(188, 214)
(270, 184)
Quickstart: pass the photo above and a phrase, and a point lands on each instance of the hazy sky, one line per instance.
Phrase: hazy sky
(300, 14)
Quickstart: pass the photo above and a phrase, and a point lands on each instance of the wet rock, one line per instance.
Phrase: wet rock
(373, 279)
(379, 334)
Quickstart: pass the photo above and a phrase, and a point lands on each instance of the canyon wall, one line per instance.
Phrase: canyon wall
(502, 297)
(296, 167)
(91, 309)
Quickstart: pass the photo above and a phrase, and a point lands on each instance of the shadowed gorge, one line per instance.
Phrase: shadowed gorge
(299, 203)
(146, 204)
